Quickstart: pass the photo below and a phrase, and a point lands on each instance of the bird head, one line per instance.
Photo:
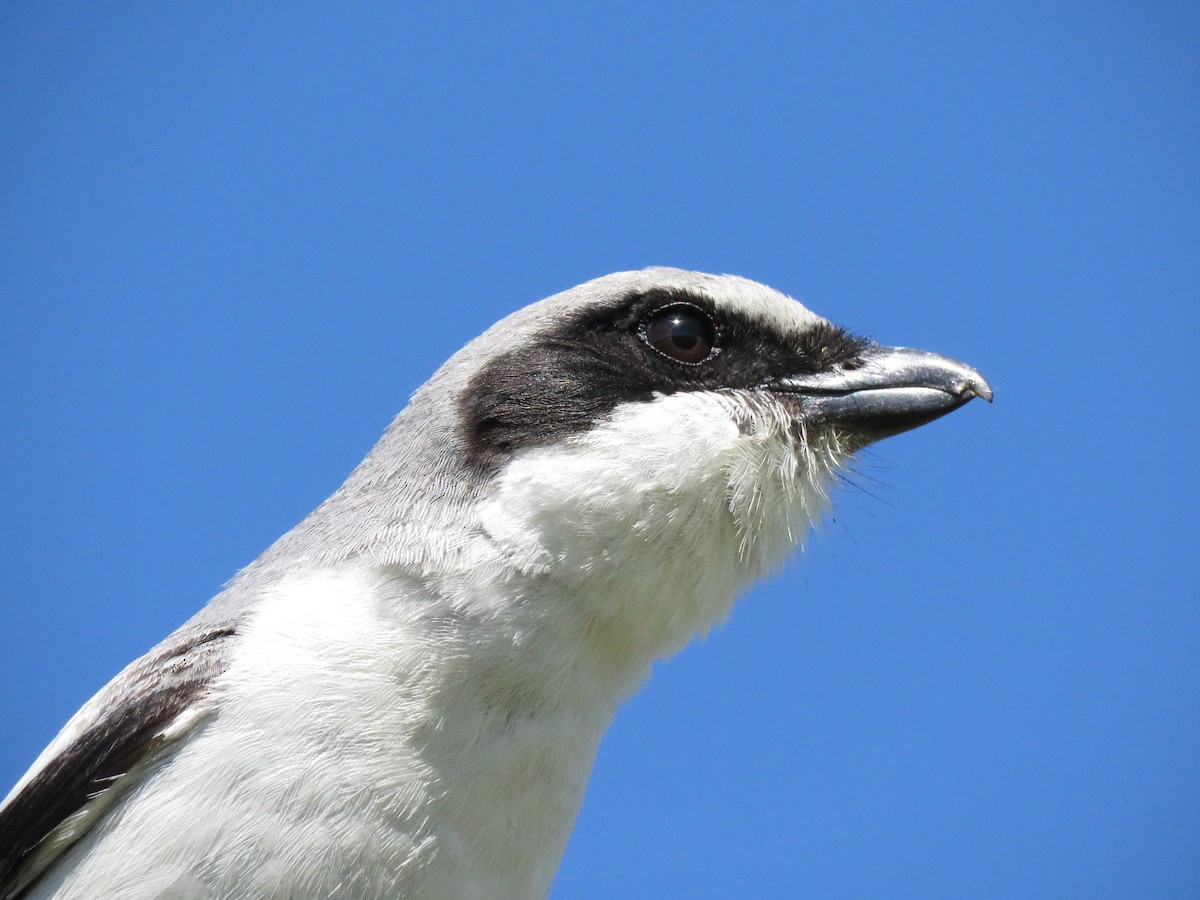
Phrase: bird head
(657, 440)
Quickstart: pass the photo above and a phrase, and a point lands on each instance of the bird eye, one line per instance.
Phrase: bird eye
(682, 333)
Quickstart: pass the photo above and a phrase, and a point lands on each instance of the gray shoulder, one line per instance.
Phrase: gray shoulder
(154, 701)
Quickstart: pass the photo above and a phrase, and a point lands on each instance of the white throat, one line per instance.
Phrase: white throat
(651, 523)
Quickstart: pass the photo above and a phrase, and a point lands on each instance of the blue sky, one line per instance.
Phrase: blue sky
(235, 237)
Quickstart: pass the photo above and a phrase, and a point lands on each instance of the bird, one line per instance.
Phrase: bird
(403, 696)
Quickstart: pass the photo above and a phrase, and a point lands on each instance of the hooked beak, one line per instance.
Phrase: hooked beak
(885, 391)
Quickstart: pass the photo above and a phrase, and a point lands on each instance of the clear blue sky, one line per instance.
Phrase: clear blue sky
(234, 237)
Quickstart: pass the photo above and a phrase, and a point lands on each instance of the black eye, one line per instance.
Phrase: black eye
(683, 333)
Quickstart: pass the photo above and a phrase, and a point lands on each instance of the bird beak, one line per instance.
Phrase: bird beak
(885, 391)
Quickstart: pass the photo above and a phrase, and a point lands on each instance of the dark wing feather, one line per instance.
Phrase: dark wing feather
(127, 727)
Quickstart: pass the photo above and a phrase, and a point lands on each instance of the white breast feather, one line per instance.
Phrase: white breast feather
(370, 727)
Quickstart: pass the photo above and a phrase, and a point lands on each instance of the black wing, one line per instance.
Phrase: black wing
(130, 719)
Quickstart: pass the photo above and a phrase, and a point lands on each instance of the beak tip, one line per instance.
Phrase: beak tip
(977, 387)
(982, 391)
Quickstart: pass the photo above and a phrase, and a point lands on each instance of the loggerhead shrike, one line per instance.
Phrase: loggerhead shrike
(403, 696)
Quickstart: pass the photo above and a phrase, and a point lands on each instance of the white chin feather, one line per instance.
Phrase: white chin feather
(658, 516)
